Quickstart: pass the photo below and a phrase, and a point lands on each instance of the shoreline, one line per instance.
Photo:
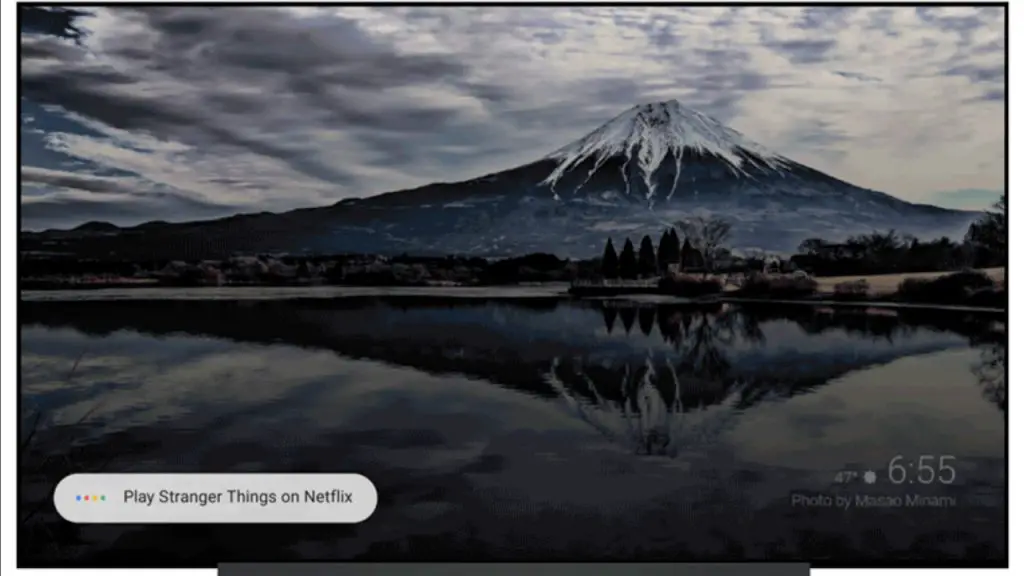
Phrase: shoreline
(556, 291)
(889, 304)
(553, 291)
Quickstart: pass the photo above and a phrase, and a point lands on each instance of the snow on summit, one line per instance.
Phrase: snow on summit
(648, 134)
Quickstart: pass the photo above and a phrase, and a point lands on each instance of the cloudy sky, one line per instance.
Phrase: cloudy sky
(131, 114)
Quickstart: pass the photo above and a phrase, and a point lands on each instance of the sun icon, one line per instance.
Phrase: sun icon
(870, 477)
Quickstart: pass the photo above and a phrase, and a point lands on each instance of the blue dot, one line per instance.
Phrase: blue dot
(79, 497)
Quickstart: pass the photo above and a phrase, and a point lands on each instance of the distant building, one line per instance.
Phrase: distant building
(279, 269)
(211, 274)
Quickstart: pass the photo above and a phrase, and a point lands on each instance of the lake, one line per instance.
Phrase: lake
(524, 428)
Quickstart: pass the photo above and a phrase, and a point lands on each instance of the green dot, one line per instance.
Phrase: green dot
(104, 497)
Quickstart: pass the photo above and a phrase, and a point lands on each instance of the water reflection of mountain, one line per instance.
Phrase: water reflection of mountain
(690, 356)
(686, 396)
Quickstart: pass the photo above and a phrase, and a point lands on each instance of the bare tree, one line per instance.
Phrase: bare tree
(989, 233)
(706, 235)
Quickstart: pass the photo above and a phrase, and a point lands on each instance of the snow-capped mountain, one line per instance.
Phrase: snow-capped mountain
(653, 140)
(646, 169)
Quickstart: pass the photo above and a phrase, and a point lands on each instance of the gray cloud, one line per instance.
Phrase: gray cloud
(957, 23)
(819, 18)
(803, 51)
(979, 73)
(995, 95)
(882, 20)
(58, 22)
(271, 108)
(325, 75)
(858, 76)
(101, 197)
(76, 181)
(965, 26)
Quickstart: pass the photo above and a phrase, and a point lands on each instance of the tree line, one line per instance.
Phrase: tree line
(649, 261)
(984, 246)
(704, 241)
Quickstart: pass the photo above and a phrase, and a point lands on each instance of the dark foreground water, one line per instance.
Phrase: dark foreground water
(524, 429)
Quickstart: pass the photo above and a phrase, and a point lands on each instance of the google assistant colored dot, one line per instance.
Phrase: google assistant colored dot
(79, 497)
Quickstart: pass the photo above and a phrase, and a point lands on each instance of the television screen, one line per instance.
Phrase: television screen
(489, 284)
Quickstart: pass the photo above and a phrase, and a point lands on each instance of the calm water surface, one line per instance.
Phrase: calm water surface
(529, 429)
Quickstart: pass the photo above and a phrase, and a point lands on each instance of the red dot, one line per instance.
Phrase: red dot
(86, 497)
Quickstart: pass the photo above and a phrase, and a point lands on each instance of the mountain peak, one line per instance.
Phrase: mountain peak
(666, 108)
(649, 134)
